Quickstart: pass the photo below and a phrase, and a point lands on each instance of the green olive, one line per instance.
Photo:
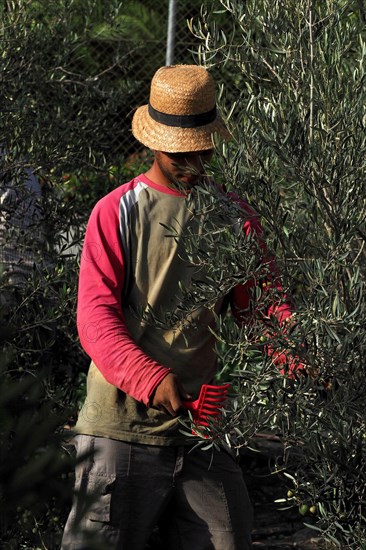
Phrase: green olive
(304, 508)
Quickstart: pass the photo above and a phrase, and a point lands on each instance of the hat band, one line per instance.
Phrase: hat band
(183, 121)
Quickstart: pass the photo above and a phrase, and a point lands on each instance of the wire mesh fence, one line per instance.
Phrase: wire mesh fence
(131, 55)
(62, 68)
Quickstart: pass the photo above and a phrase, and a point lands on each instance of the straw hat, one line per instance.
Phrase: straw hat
(181, 115)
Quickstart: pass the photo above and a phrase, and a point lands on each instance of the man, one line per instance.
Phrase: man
(140, 470)
(21, 224)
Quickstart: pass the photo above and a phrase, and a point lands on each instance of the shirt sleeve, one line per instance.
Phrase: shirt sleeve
(281, 308)
(101, 326)
(242, 293)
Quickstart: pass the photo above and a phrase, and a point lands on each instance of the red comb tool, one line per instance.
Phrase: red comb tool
(209, 403)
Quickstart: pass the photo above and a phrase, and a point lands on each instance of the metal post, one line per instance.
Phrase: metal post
(171, 32)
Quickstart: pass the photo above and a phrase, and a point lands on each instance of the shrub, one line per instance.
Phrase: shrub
(298, 156)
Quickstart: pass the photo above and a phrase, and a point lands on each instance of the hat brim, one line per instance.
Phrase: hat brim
(172, 139)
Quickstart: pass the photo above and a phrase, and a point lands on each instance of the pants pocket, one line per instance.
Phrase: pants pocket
(100, 489)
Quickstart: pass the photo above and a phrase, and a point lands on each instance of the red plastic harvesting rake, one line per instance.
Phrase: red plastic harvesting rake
(209, 403)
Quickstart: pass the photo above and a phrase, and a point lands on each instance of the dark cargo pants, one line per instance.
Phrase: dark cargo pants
(198, 498)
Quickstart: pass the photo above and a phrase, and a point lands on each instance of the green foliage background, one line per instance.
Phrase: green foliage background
(65, 92)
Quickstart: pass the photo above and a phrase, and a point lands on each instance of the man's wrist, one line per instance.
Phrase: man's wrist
(152, 392)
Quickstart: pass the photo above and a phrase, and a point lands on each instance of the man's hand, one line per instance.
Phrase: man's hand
(169, 394)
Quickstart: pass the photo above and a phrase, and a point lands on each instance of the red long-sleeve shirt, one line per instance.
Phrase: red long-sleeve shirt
(132, 270)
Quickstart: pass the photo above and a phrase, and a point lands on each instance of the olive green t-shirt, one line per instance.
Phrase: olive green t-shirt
(148, 225)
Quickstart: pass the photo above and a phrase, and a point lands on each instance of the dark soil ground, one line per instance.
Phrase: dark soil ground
(274, 527)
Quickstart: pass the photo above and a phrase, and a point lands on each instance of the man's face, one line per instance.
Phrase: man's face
(184, 168)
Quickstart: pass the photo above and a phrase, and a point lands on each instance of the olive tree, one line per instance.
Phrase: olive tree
(292, 76)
